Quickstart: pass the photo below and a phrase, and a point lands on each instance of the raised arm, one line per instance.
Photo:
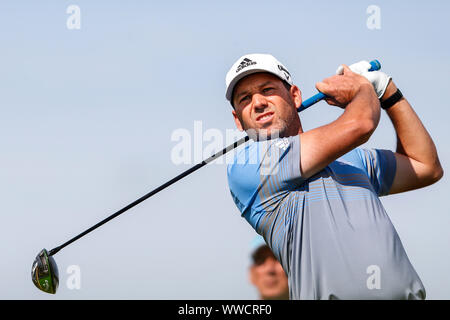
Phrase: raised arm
(416, 156)
(320, 146)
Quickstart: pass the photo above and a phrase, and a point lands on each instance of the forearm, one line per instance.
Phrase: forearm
(323, 145)
(413, 140)
(356, 124)
(363, 109)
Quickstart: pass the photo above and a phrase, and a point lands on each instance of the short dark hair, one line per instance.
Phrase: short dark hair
(261, 254)
(286, 85)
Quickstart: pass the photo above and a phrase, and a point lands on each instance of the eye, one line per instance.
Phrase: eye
(244, 98)
(268, 90)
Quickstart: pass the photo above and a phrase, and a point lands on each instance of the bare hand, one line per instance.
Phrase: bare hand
(341, 89)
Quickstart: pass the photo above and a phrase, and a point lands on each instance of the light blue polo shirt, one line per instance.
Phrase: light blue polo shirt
(330, 232)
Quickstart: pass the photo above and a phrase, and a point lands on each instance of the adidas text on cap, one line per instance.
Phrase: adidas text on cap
(253, 63)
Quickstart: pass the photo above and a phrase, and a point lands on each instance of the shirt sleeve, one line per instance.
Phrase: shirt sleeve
(380, 166)
(263, 172)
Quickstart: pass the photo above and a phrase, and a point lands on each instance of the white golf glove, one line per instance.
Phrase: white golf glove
(379, 80)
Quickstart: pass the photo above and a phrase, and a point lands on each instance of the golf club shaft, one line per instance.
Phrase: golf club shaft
(151, 193)
(306, 104)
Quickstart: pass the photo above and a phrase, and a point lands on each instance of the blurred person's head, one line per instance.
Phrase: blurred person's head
(266, 273)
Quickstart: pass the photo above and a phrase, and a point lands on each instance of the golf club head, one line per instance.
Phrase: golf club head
(44, 272)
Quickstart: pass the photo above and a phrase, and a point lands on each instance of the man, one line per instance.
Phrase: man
(314, 196)
(266, 273)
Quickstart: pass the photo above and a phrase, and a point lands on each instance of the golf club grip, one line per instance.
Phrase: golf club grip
(376, 65)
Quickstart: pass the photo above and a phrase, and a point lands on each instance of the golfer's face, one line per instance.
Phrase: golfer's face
(263, 103)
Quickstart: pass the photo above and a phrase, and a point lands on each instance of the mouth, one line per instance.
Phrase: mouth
(271, 283)
(265, 117)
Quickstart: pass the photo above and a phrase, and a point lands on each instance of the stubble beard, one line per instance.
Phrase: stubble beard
(280, 130)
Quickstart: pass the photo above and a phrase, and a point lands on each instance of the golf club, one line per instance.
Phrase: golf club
(44, 271)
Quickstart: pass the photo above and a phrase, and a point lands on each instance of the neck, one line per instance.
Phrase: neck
(283, 296)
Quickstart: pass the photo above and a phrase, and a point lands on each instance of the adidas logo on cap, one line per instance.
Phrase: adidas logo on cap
(245, 63)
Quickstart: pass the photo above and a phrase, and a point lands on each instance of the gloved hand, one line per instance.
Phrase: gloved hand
(379, 80)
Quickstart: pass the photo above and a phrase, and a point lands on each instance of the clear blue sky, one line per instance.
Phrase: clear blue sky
(87, 116)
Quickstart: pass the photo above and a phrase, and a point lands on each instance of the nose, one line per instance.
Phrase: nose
(259, 102)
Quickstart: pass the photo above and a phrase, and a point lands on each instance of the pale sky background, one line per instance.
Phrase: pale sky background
(87, 117)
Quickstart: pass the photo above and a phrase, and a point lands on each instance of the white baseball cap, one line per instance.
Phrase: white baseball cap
(253, 63)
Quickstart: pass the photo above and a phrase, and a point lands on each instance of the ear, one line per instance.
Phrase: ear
(237, 121)
(296, 96)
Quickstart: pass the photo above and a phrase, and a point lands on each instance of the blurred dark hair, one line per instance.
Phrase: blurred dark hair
(261, 254)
